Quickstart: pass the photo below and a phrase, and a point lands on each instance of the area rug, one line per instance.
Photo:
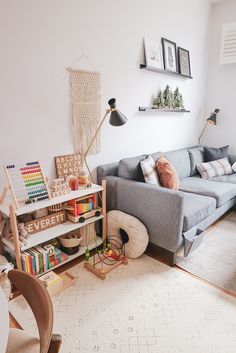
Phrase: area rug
(215, 260)
(144, 307)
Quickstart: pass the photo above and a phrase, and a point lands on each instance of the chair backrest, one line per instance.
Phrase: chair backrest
(39, 301)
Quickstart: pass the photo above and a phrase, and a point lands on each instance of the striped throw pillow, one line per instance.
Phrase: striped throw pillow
(214, 168)
(149, 170)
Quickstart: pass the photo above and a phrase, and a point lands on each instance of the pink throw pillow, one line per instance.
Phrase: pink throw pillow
(167, 174)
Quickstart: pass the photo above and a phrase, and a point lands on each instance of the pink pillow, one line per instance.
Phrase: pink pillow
(167, 174)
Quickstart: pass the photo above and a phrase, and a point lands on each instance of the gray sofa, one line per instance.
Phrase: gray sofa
(167, 214)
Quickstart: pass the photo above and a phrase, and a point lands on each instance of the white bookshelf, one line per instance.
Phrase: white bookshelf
(51, 233)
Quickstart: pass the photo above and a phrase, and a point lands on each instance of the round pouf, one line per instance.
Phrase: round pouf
(136, 231)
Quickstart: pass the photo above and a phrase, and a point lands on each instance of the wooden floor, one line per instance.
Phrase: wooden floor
(159, 257)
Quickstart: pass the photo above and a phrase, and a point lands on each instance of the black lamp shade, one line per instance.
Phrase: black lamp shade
(116, 117)
(213, 117)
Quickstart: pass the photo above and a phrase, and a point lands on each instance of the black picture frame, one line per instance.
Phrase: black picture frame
(169, 55)
(184, 62)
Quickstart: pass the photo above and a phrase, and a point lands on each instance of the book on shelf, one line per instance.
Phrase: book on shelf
(37, 260)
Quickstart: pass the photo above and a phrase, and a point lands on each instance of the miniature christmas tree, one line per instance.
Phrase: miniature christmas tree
(155, 100)
(178, 99)
(168, 97)
(159, 101)
(181, 104)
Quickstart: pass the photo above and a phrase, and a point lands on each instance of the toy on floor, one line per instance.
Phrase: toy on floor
(107, 258)
(59, 187)
(27, 182)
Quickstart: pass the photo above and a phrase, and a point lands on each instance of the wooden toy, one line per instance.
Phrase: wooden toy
(73, 182)
(68, 165)
(27, 182)
(83, 179)
(94, 213)
(110, 256)
(83, 208)
(59, 187)
(84, 204)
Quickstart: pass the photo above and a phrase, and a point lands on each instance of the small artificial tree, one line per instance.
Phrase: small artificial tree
(178, 99)
(181, 102)
(159, 101)
(155, 100)
(168, 97)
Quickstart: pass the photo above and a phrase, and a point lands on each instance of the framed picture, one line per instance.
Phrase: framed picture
(153, 53)
(184, 62)
(169, 55)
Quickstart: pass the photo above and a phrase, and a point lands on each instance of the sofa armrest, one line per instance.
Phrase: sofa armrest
(159, 209)
(232, 158)
(105, 170)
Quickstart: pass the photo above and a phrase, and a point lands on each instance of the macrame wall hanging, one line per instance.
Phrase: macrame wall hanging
(86, 108)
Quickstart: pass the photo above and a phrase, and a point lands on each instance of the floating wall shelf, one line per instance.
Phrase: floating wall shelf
(164, 72)
(144, 109)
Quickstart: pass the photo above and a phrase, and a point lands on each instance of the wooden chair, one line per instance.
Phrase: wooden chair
(41, 305)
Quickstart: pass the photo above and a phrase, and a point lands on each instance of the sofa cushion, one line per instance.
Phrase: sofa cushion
(212, 154)
(167, 174)
(181, 161)
(196, 155)
(149, 170)
(214, 168)
(225, 178)
(222, 192)
(129, 168)
(196, 208)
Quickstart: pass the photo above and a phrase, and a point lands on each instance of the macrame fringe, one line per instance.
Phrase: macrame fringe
(86, 108)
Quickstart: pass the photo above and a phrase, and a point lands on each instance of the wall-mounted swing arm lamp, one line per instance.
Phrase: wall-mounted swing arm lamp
(212, 120)
(116, 119)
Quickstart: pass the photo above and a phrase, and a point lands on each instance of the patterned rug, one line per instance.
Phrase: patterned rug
(144, 307)
(215, 260)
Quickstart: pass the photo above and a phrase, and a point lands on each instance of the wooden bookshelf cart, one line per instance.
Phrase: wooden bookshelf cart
(10, 210)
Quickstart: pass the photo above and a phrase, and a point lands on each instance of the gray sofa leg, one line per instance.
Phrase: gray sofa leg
(172, 258)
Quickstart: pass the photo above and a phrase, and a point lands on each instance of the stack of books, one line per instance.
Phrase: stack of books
(39, 259)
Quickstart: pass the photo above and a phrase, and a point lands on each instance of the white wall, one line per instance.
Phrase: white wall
(221, 86)
(40, 38)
